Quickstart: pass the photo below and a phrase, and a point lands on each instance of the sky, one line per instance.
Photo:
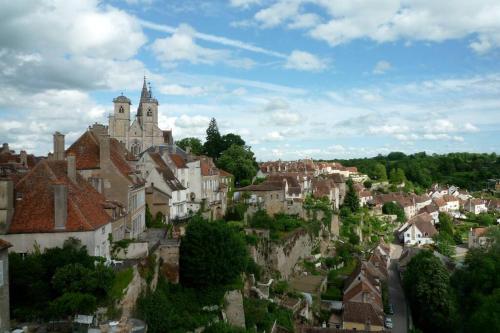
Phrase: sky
(296, 79)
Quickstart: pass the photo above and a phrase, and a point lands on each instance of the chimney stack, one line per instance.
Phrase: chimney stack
(60, 206)
(58, 146)
(104, 150)
(188, 150)
(6, 204)
(5, 148)
(71, 167)
(24, 158)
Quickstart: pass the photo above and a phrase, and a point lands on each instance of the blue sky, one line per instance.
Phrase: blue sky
(295, 78)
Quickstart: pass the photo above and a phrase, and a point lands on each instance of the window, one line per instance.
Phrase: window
(121, 110)
(150, 113)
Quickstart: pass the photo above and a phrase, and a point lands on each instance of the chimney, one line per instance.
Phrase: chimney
(60, 206)
(188, 150)
(58, 146)
(6, 204)
(71, 167)
(23, 156)
(5, 148)
(104, 153)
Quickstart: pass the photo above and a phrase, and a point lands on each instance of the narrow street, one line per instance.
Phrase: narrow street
(397, 296)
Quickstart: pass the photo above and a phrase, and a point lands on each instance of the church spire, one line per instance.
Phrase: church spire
(144, 92)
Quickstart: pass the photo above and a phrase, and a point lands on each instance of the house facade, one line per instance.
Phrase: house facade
(4, 286)
(109, 168)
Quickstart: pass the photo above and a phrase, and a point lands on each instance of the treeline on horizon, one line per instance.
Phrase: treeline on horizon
(466, 170)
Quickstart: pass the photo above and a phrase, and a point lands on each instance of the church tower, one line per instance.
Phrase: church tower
(147, 112)
(119, 122)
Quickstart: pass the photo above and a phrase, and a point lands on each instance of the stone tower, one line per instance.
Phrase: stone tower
(119, 122)
(147, 112)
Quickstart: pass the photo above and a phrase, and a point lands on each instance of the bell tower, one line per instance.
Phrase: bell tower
(119, 122)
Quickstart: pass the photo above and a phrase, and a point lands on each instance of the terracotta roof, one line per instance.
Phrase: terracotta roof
(422, 198)
(449, 198)
(208, 167)
(166, 173)
(424, 223)
(431, 208)
(34, 213)
(224, 173)
(9, 157)
(86, 150)
(439, 202)
(178, 161)
(364, 313)
(478, 232)
(4, 244)
(261, 187)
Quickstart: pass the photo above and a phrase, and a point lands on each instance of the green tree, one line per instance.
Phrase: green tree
(231, 139)
(211, 254)
(445, 224)
(445, 244)
(397, 176)
(351, 199)
(213, 145)
(70, 304)
(379, 172)
(240, 161)
(427, 285)
(193, 143)
(392, 208)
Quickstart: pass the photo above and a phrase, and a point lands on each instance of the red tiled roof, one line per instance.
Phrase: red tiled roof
(178, 161)
(356, 312)
(4, 244)
(478, 232)
(224, 173)
(86, 150)
(34, 213)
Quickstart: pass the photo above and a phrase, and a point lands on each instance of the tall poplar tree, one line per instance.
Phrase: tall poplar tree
(213, 144)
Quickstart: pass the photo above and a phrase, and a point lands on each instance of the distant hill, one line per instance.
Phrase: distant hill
(470, 171)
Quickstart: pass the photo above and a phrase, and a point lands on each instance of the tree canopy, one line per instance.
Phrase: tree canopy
(240, 161)
(392, 208)
(467, 170)
(427, 285)
(213, 145)
(351, 199)
(193, 143)
(211, 254)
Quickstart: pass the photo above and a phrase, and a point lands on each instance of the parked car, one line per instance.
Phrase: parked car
(390, 310)
(388, 322)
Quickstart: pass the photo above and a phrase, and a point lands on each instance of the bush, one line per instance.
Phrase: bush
(211, 254)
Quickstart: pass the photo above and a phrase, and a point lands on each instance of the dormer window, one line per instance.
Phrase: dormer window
(150, 113)
(121, 110)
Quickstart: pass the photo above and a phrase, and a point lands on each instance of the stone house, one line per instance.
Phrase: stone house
(212, 194)
(158, 175)
(452, 203)
(432, 210)
(265, 196)
(108, 166)
(478, 238)
(53, 203)
(326, 188)
(4, 286)
(158, 202)
(362, 317)
(475, 206)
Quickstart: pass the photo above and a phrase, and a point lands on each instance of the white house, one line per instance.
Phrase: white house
(452, 203)
(418, 231)
(157, 173)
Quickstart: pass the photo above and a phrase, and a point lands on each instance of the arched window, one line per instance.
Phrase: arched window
(121, 110)
(150, 113)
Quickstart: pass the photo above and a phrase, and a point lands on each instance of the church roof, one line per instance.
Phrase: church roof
(121, 99)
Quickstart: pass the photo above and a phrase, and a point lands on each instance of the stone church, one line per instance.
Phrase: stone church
(144, 131)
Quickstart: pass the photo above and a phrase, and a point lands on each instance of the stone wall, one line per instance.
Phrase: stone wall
(169, 260)
(282, 256)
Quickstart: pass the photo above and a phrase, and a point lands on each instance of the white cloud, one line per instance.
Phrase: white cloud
(243, 3)
(305, 61)
(185, 121)
(181, 46)
(392, 20)
(382, 67)
(273, 136)
(281, 118)
(176, 89)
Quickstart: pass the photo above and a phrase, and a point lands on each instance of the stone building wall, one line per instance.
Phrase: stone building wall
(4, 291)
